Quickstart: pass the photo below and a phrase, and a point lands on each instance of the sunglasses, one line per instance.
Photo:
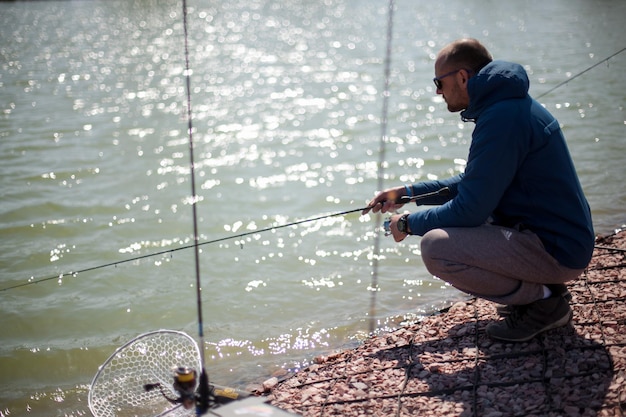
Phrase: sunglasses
(437, 80)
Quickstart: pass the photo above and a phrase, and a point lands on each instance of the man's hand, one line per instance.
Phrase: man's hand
(386, 201)
(398, 236)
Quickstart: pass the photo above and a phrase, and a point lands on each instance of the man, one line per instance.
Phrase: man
(515, 226)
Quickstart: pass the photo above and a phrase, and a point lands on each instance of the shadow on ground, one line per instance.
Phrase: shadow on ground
(447, 366)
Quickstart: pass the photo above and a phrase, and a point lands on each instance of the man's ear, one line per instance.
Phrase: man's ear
(465, 76)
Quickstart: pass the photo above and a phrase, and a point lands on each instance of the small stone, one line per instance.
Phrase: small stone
(270, 383)
(360, 386)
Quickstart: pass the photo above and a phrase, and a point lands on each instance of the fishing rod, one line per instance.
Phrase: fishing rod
(203, 398)
(33, 281)
(442, 192)
(380, 171)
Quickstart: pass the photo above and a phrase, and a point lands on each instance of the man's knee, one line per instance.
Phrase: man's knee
(431, 246)
(431, 241)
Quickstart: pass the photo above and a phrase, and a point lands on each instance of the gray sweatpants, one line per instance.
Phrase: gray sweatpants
(496, 263)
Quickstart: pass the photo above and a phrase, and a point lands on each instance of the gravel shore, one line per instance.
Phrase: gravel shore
(446, 365)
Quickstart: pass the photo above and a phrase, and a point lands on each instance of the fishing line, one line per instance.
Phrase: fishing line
(580, 73)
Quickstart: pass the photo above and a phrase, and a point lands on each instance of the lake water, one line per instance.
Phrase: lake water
(287, 103)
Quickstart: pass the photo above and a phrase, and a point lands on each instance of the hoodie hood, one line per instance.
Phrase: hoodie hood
(497, 81)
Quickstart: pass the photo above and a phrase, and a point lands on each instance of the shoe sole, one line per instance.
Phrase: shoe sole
(559, 323)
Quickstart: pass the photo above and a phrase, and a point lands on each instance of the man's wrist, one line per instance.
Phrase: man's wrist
(403, 224)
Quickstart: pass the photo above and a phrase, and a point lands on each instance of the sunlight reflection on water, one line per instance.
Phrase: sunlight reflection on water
(286, 106)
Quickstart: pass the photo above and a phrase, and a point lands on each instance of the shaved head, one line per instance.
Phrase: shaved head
(464, 53)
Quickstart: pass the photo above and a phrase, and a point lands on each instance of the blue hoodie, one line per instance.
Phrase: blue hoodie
(519, 171)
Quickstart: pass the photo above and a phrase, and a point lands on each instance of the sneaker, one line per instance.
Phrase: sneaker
(557, 289)
(505, 311)
(526, 322)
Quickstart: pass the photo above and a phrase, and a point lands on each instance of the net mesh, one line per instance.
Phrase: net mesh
(117, 390)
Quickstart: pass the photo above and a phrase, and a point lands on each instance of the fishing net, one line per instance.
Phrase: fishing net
(117, 390)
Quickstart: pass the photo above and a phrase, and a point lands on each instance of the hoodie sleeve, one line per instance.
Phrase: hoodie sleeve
(497, 150)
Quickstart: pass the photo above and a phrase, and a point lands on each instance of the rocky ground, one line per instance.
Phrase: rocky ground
(446, 365)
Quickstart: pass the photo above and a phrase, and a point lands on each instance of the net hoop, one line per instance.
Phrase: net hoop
(117, 389)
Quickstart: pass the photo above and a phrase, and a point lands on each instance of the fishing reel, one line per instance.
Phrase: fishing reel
(185, 381)
(192, 394)
(442, 192)
(387, 226)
